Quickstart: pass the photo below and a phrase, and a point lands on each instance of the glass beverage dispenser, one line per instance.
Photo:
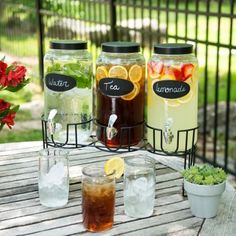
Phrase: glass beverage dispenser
(68, 91)
(172, 98)
(120, 75)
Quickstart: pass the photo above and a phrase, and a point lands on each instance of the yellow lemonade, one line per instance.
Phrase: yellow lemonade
(172, 106)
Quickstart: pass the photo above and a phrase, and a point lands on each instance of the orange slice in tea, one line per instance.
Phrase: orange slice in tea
(115, 164)
(133, 93)
(118, 72)
(101, 72)
(135, 73)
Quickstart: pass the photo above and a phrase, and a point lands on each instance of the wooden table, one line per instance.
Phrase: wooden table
(22, 214)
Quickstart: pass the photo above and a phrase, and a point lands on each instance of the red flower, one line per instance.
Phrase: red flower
(9, 119)
(15, 76)
(4, 105)
(3, 76)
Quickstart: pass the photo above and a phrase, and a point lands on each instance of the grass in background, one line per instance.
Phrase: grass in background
(23, 45)
(8, 136)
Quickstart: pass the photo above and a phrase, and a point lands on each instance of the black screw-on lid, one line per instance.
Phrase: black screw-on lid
(173, 48)
(120, 47)
(68, 44)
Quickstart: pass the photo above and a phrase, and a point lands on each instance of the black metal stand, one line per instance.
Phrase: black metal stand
(127, 139)
(187, 153)
(49, 140)
(126, 133)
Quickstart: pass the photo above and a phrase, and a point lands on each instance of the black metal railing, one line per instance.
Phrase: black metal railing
(208, 24)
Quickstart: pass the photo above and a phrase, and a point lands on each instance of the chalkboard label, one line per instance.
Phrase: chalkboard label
(59, 82)
(115, 87)
(171, 88)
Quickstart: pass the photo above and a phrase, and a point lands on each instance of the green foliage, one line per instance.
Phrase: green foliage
(23, 115)
(18, 87)
(81, 74)
(20, 136)
(21, 96)
(204, 175)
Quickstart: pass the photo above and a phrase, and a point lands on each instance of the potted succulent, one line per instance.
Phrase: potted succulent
(204, 186)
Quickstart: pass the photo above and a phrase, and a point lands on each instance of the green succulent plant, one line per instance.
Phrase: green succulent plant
(204, 175)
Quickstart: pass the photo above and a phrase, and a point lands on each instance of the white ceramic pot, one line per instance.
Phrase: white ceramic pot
(204, 199)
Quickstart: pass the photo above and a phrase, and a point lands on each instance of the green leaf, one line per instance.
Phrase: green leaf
(81, 74)
(17, 88)
(204, 175)
(15, 108)
(9, 68)
(56, 67)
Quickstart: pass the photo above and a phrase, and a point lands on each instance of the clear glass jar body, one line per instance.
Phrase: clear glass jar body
(98, 198)
(129, 106)
(179, 111)
(74, 103)
(53, 181)
(139, 186)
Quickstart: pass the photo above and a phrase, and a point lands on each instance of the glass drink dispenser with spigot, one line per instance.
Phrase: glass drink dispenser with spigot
(68, 91)
(172, 98)
(120, 75)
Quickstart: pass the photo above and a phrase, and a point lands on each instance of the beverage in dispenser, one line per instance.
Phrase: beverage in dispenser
(172, 98)
(120, 75)
(68, 91)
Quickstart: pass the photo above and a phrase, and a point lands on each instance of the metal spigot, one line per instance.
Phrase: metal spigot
(51, 124)
(168, 135)
(110, 130)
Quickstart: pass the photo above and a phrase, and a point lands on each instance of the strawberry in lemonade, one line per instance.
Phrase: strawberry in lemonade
(172, 98)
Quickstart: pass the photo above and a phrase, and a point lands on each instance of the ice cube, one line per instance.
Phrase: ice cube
(151, 181)
(139, 184)
(55, 176)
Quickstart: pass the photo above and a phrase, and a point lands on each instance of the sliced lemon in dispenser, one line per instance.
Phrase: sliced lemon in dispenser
(135, 73)
(133, 93)
(101, 73)
(172, 102)
(118, 72)
(115, 164)
(187, 98)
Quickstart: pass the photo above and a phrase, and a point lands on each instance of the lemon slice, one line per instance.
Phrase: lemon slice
(172, 103)
(135, 73)
(101, 73)
(154, 75)
(187, 98)
(133, 93)
(115, 164)
(118, 72)
(167, 77)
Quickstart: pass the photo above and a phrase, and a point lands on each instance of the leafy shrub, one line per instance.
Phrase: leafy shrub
(204, 175)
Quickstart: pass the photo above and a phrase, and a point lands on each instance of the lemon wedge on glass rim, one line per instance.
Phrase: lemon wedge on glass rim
(115, 164)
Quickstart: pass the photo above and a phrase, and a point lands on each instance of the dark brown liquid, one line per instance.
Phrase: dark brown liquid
(98, 206)
(129, 123)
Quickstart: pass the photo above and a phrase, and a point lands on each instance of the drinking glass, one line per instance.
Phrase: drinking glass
(139, 186)
(98, 198)
(53, 182)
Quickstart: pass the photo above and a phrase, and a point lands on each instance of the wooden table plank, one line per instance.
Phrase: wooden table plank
(22, 214)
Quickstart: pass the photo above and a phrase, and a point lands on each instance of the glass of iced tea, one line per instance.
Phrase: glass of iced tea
(98, 198)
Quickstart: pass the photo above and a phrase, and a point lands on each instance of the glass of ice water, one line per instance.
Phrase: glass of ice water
(139, 186)
(53, 179)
